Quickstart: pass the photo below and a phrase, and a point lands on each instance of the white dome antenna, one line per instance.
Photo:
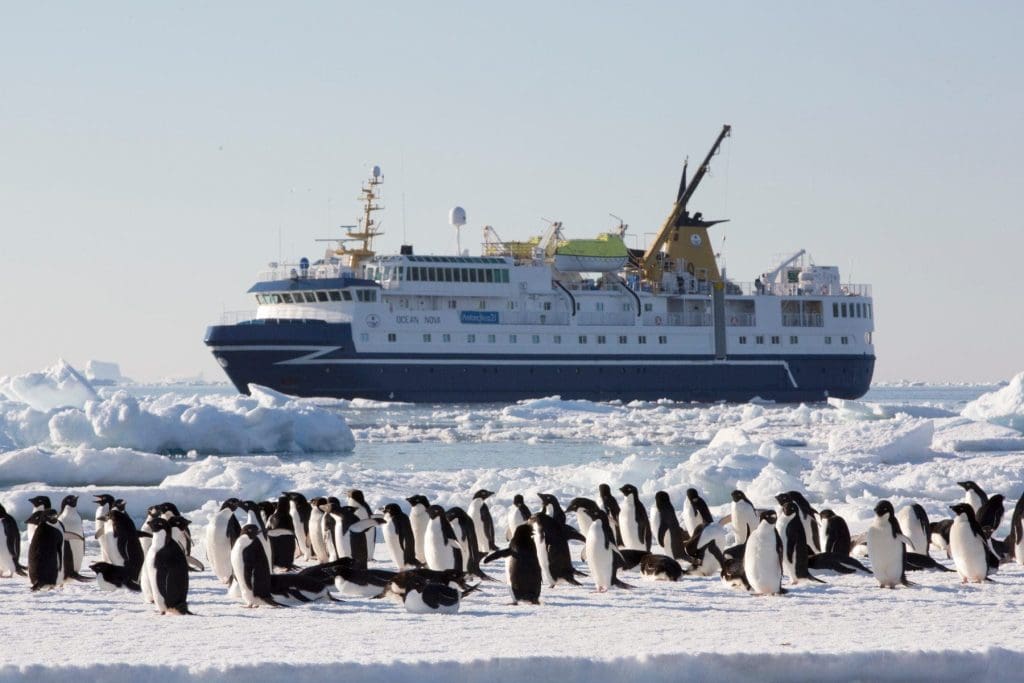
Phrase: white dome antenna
(376, 171)
(457, 219)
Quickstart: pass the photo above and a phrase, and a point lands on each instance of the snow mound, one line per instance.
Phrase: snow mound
(1002, 407)
(99, 371)
(56, 387)
(964, 435)
(899, 441)
(83, 466)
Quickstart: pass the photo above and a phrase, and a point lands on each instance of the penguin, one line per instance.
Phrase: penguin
(806, 513)
(938, 534)
(125, 547)
(281, 533)
(795, 550)
(363, 511)
(327, 526)
(353, 581)
(10, 546)
(39, 504)
(990, 516)
(398, 538)
(887, 547)
(762, 557)
(166, 569)
(300, 588)
(972, 554)
(518, 515)
(419, 518)
(266, 508)
(744, 516)
(611, 508)
(440, 546)
(1016, 539)
(633, 521)
(349, 533)
(465, 533)
(103, 505)
(695, 511)
(732, 572)
(183, 537)
(431, 598)
(913, 522)
(667, 532)
(552, 550)
(602, 552)
(146, 527)
(74, 533)
(835, 533)
(582, 507)
(973, 495)
(522, 569)
(300, 511)
(251, 568)
(221, 533)
(661, 567)
(253, 517)
(46, 551)
(482, 521)
(552, 508)
(695, 552)
(316, 531)
(110, 577)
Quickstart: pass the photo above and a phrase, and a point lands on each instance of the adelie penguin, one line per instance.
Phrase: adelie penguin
(300, 511)
(221, 533)
(990, 516)
(835, 534)
(440, 546)
(166, 569)
(914, 524)
(667, 532)
(794, 544)
(887, 547)
(482, 521)
(349, 533)
(465, 532)
(744, 516)
(695, 511)
(281, 533)
(974, 495)
(762, 558)
(103, 505)
(74, 534)
(553, 551)
(522, 567)
(602, 553)
(634, 524)
(419, 518)
(39, 504)
(125, 547)
(251, 568)
(10, 546)
(972, 553)
(398, 539)
(611, 508)
(431, 598)
(46, 551)
(110, 577)
(316, 530)
(518, 515)
(357, 500)
(807, 517)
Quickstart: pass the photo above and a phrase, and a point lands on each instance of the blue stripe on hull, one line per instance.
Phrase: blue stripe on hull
(343, 374)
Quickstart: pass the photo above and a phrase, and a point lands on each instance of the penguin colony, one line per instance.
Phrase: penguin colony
(298, 550)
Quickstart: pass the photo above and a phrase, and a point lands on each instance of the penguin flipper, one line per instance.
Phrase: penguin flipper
(571, 534)
(619, 583)
(498, 554)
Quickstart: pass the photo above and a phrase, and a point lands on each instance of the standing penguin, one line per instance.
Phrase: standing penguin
(357, 500)
(553, 550)
(974, 495)
(398, 538)
(46, 551)
(251, 568)
(482, 521)
(602, 553)
(518, 515)
(221, 534)
(166, 569)
(552, 508)
(762, 557)
(695, 511)
(522, 568)
(807, 517)
(634, 524)
(10, 546)
(327, 526)
(103, 505)
(39, 504)
(125, 548)
(990, 516)
(914, 524)
(419, 518)
(349, 537)
(835, 534)
(667, 532)
(74, 533)
(972, 555)
(281, 533)
(794, 544)
(300, 511)
(887, 547)
(146, 528)
(744, 516)
(1016, 539)
(611, 508)
(465, 532)
(440, 546)
(316, 531)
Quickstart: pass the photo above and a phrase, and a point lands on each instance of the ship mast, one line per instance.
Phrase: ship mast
(368, 227)
(683, 238)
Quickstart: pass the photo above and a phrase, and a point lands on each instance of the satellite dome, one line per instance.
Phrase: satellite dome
(457, 217)
(376, 171)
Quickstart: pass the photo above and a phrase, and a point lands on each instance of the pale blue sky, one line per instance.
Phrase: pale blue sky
(151, 152)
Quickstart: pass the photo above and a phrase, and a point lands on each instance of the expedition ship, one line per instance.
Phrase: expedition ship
(581, 319)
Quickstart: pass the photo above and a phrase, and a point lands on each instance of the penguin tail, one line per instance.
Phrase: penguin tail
(331, 598)
(19, 570)
(75, 576)
(619, 583)
(906, 582)
(483, 576)
(812, 577)
(471, 589)
(195, 565)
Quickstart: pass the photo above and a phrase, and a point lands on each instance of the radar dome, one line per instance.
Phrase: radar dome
(376, 171)
(457, 217)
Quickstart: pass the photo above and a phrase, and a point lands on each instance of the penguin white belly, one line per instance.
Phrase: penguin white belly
(316, 535)
(74, 534)
(418, 519)
(394, 545)
(515, 520)
(415, 605)
(148, 575)
(238, 586)
(1018, 551)
(886, 555)
(690, 517)
(301, 540)
(968, 552)
(438, 555)
(628, 527)
(542, 559)
(712, 532)
(600, 559)
(478, 525)
(744, 521)
(7, 563)
(761, 562)
(912, 530)
(218, 552)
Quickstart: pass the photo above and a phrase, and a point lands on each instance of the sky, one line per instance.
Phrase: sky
(155, 156)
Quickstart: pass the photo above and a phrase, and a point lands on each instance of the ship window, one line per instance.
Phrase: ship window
(583, 339)
(844, 340)
(446, 338)
(794, 340)
(482, 304)
(334, 295)
(547, 305)
(452, 303)
(491, 339)
(490, 274)
(860, 310)
(626, 307)
(536, 339)
(512, 339)
(321, 296)
(743, 340)
(346, 295)
(426, 337)
(599, 306)
(842, 307)
(759, 339)
(432, 274)
(511, 305)
(648, 307)
(504, 275)
(641, 339)
(828, 340)
(623, 339)
(286, 298)
(871, 313)
(557, 339)
(310, 297)
(447, 274)
(392, 337)
(775, 339)
(662, 339)
(600, 339)
(364, 336)
(578, 305)
(471, 338)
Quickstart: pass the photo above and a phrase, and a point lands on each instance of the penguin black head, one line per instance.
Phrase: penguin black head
(119, 504)
(249, 506)
(483, 494)
(628, 490)
(3, 510)
(40, 502)
(103, 499)
(826, 514)
(295, 496)
(250, 530)
(518, 499)
(266, 507)
(738, 495)
(884, 507)
(392, 509)
(356, 495)
(996, 499)
(230, 504)
(69, 502)
(968, 485)
(692, 494)
(179, 522)
(418, 500)
(769, 516)
(547, 499)
(584, 504)
(318, 502)
(169, 508)
(154, 511)
(604, 489)
(962, 509)
(789, 508)
(783, 498)
(522, 533)
(435, 511)
(159, 524)
(41, 517)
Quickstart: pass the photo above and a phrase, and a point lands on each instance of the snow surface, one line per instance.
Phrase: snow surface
(845, 456)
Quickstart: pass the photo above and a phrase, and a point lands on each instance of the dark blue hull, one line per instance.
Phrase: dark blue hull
(313, 358)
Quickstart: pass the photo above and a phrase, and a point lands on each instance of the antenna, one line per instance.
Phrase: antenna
(457, 219)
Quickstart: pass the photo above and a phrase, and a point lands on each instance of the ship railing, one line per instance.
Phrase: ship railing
(684, 319)
(286, 271)
(535, 318)
(741, 320)
(802, 320)
(235, 317)
(605, 318)
(793, 289)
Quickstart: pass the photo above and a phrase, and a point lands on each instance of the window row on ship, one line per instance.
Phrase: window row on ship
(600, 339)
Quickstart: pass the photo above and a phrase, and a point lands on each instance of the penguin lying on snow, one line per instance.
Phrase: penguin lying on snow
(431, 598)
(110, 577)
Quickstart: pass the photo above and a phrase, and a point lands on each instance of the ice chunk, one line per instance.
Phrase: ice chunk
(965, 435)
(82, 466)
(894, 441)
(56, 387)
(1003, 407)
(102, 372)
